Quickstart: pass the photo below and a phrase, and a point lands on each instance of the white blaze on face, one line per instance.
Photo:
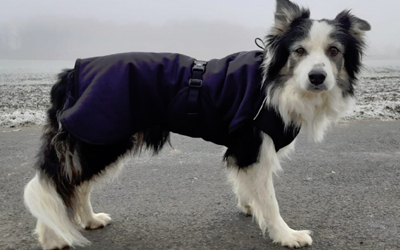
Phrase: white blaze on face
(316, 58)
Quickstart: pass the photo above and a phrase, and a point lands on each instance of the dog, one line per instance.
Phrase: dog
(304, 78)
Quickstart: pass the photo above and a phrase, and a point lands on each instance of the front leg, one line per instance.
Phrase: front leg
(256, 195)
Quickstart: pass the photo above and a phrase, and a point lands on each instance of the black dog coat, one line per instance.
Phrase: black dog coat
(110, 98)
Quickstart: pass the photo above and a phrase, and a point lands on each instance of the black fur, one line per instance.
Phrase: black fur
(57, 99)
(57, 145)
(48, 161)
(354, 47)
(244, 147)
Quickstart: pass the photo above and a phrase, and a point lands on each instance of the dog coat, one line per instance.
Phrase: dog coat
(110, 98)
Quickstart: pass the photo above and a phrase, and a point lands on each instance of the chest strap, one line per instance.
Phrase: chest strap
(195, 84)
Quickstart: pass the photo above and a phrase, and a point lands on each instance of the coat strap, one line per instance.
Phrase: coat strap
(195, 84)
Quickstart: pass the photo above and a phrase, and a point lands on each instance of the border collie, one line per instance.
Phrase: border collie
(254, 103)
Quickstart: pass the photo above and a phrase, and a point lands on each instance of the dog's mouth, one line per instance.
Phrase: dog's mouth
(314, 88)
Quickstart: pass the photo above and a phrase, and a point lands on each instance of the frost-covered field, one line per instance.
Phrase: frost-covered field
(378, 94)
(24, 91)
(22, 105)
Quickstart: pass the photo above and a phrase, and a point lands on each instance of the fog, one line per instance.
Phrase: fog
(49, 29)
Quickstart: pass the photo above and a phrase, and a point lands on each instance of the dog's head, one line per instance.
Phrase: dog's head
(315, 55)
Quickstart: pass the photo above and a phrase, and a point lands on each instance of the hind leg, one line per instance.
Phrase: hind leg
(88, 219)
(256, 193)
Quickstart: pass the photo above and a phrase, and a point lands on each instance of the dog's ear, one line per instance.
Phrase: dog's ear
(355, 25)
(286, 12)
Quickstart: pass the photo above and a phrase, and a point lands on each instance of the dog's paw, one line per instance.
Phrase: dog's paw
(246, 209)
(292, 238)
(52, 243)
(48, 239)
(99, 220)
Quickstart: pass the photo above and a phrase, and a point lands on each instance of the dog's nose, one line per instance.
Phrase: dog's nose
(317, 77)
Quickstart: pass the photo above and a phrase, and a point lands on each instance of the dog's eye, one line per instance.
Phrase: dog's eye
(300, 51)
(333, 51)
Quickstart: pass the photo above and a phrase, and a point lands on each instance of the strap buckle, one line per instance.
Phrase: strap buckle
(199, 65)
(195, 83)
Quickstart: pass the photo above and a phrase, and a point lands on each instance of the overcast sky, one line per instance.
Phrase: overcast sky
(251, 17)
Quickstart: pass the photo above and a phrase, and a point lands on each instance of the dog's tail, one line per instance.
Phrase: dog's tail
(48, 194)
(55, 227)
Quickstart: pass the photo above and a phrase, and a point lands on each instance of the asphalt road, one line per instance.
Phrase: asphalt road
(346, 190)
